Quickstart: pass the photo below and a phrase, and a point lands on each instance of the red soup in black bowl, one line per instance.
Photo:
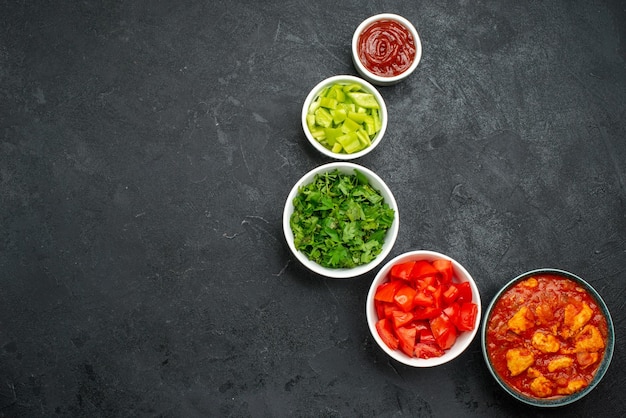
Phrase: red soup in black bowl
(547, 337)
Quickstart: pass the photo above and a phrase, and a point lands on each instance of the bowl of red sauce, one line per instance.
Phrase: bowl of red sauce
(386, 49)
(547, 338)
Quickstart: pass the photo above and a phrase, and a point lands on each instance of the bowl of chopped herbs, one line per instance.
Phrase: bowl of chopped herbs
(344, 117)
(340, 220)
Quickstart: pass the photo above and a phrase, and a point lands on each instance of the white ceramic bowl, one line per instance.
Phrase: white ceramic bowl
(463, 340)
(375, 78)
(344, 79)
(378, 184)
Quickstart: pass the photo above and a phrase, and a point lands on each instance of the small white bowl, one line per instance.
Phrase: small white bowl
(378, 184)
(375, 78)
(463, 340)
(344, 79)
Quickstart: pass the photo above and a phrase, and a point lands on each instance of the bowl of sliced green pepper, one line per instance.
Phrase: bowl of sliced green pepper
(340, 220)
(344, 117)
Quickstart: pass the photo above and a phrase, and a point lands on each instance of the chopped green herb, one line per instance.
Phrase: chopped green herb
(340, 220)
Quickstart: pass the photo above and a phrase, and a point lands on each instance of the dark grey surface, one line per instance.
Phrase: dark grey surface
(146, 152)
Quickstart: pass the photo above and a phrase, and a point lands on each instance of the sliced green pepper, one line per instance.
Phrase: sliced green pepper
(323, 117)
(365, 100)
(344, 118)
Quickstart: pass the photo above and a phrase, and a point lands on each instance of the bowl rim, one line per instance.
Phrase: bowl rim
(602, 368)
(374, 78)
(366, 86)
(390, 237)
(371, 316)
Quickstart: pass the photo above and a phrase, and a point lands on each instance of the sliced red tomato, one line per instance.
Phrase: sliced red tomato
(400, 318)
(402, 271)
(422, 298)
(427, 312)
(388, 309)
(421, 325)
(426, 282)
(404, 297)
(444, 266)
(426, 336)
(380, 308)
(423, 268)
(425, 351)
(465, 292)
(386, 291)
(421, 304)
(384, 309)
(437, 295)
(467, 316)
(450, 294)
(452, 312)
(383, 326)
(406, 338)
(444, 331)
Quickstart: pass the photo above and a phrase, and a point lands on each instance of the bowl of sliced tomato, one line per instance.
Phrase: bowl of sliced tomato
(423, 308)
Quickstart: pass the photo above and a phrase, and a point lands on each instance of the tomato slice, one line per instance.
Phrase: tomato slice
(467, 316)
(380, 308)
(422, 298)
(404, 297)
(444, 331)
(437, 296)
(423, 268)
(384, 309)
(427, 312)
(406, 338)
(383, 326)
(401, 271)
(386, 291)
(452, 312)
(450, 294)
(444, 266)
(421, 325)
(465, 292)
(388, 309)
(426, 336)
(426, 282)
(400, 318)
(425, 351)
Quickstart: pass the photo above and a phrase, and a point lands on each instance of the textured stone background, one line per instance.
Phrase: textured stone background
(146, 152)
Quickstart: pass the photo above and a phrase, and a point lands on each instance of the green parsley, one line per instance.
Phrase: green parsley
(340, 220)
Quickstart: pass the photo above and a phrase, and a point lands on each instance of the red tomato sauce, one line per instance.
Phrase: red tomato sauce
(546, 337)
(386, 48)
